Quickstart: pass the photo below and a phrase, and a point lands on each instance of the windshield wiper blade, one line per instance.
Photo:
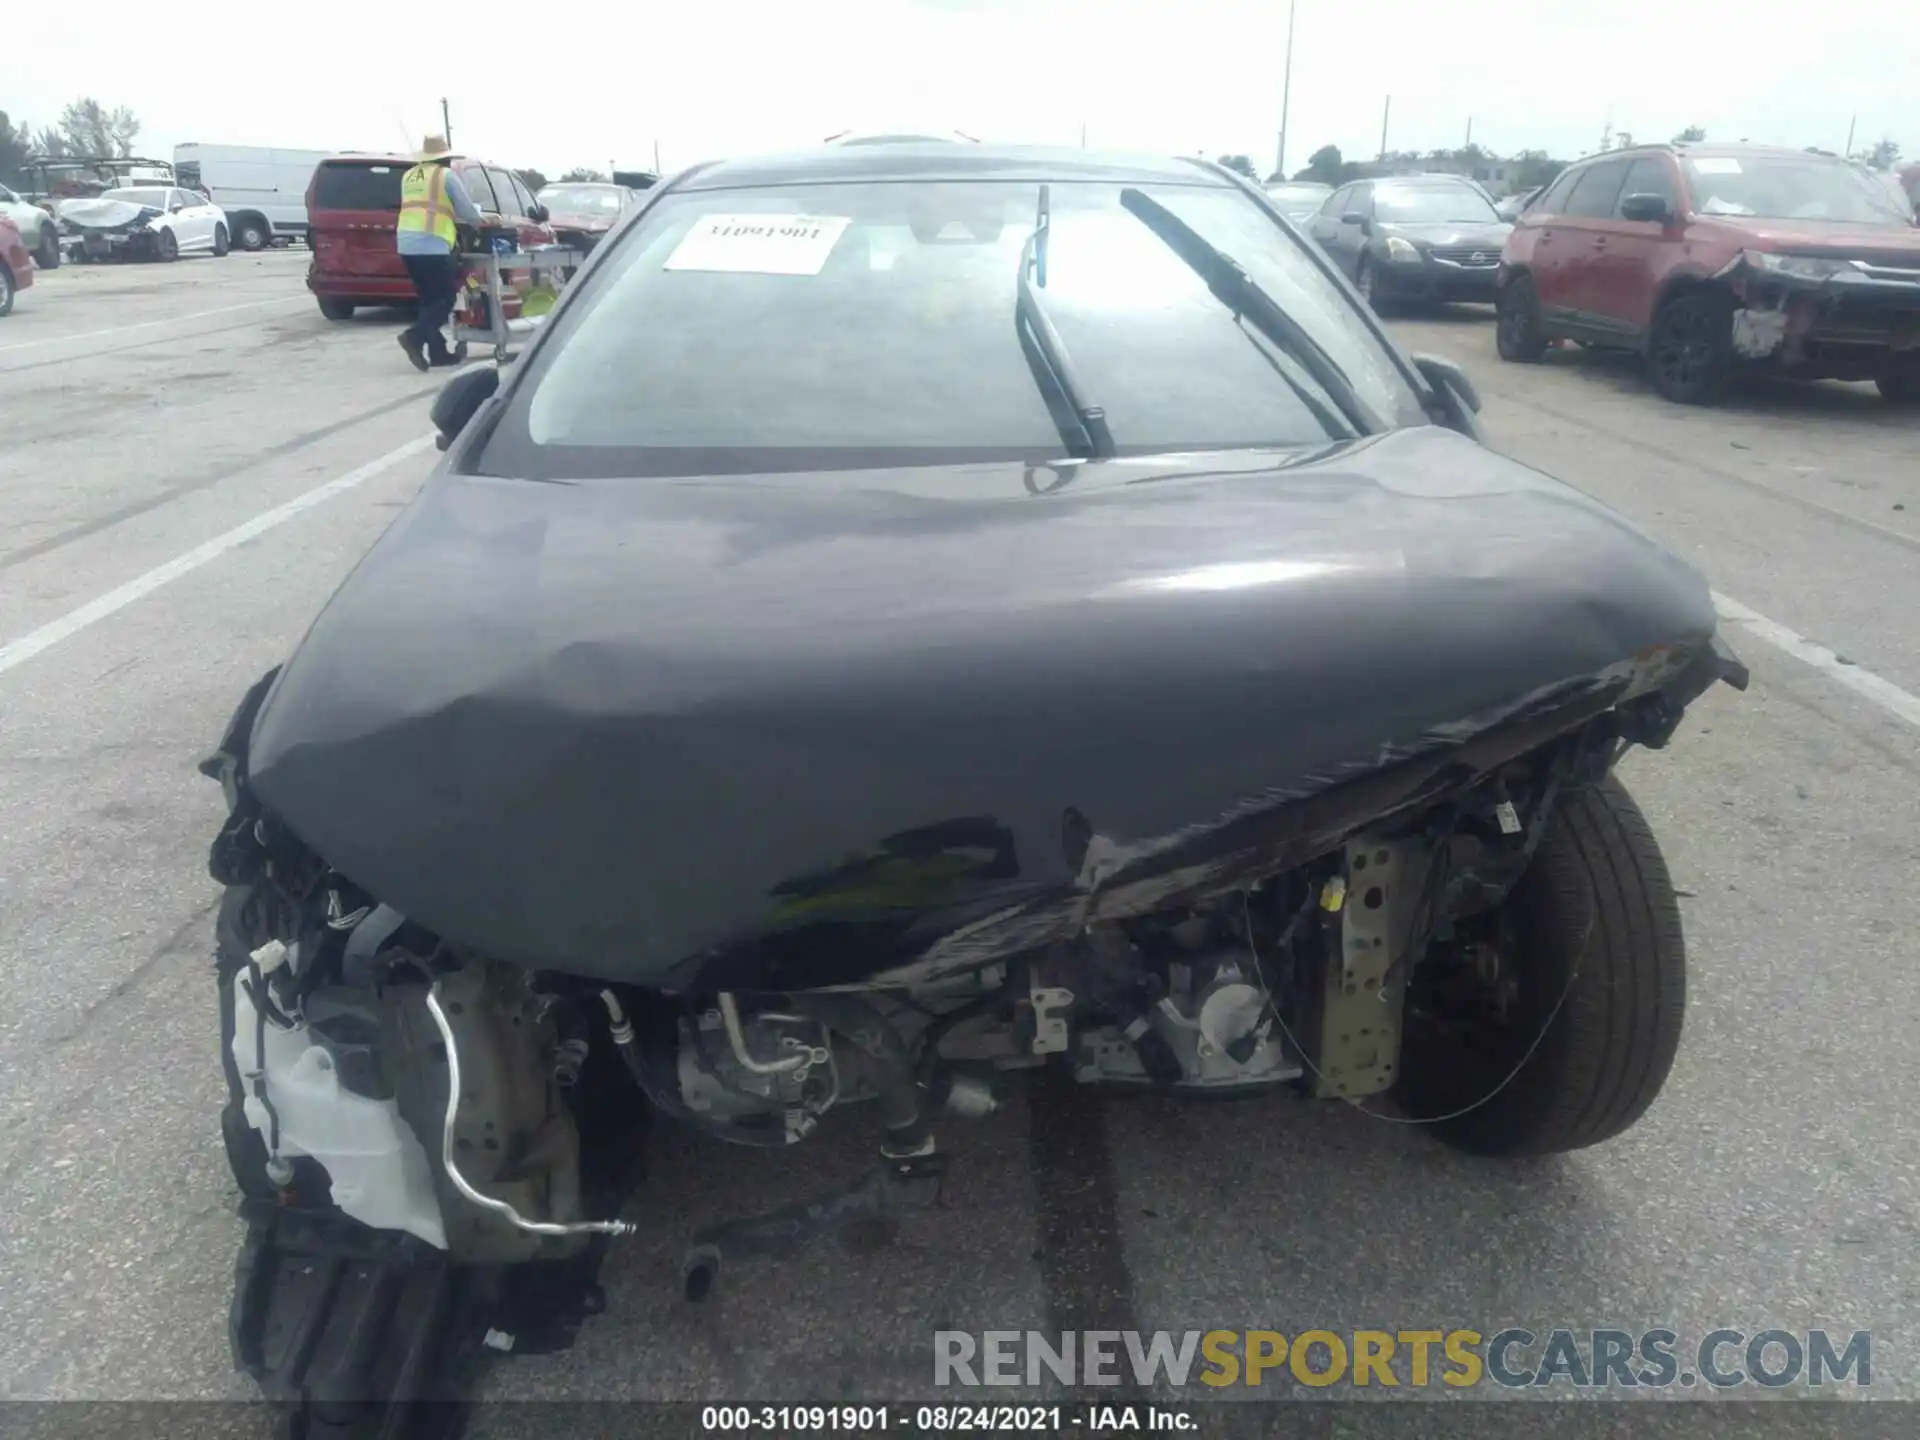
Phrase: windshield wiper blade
(1087, 434)
(1240, 292)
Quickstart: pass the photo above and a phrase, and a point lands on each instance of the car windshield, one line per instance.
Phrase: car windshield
(875, 324)
(1789, 187)
(581, 199)
(155, 198)
(1431, 205)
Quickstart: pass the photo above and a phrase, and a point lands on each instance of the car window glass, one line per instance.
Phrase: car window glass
(1598, 189)
(1336, 203)
(347, 186)
(1555, 200)
(479, 189)
(1790, 187)
(522, 197)
(1361, 200)
(896, 342)
(184, 200)
(7, 197)
(1649, 175)
(503, 191)
(1431, 203)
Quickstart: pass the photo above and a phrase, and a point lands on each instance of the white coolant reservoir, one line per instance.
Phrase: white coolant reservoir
(377, 1168)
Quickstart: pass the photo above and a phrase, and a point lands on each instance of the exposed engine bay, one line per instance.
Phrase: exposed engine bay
(426, 1089)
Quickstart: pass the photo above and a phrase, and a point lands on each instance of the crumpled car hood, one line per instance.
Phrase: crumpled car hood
(106, 214)
(607, 726)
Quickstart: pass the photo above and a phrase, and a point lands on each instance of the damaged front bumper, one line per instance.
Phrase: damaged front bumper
(1823, 318)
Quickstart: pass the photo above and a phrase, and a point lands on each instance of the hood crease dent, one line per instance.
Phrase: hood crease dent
(821, 728)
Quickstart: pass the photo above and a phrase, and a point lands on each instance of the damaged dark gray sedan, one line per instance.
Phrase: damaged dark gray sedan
(916, 613)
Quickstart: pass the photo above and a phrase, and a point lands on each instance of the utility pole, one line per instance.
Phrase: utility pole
(1469, 144)
(656, 157)
(1848, 152)
(446, 125)
(1385, 114)
(1083, 134)
(1286, 95)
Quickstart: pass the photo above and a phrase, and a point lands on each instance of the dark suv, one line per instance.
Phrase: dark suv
(1707, 259)
(1413, 237)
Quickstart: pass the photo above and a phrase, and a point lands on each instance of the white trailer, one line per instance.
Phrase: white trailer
(263, 191)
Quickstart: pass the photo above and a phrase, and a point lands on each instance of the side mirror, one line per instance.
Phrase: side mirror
(1455, 390)
(1354, 217)
(175, 209)
(1645, 207)
(460, 399)
(538, 214)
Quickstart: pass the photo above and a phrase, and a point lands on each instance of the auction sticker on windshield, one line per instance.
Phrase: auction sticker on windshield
(1716, 165)
(759, 244)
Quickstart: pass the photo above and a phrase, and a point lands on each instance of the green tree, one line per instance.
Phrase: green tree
(532, 179)
(1884, 155)
(16, 143)
(580, 175)
(1239, 164)
(1692, 135)
(89, 128)
(1324, 165)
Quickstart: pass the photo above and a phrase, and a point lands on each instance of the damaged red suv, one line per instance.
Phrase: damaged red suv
(1710, 259)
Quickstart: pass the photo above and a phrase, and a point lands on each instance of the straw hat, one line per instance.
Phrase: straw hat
(436, 148)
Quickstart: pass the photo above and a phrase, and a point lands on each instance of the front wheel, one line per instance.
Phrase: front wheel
(1517, 333)
(166, 246)
(49, 256)
(1690, 353)
(252, 234)
(6, 291)
(220, 242)
(1551, 1023)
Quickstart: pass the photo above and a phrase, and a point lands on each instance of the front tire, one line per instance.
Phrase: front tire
(1592, 928)
(166, 246)
(221, 245)
(48, 257)
(1517, 331)
(1690, 353)
(6, 291)
(250, 233)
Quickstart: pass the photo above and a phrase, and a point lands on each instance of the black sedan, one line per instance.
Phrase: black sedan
(1431, 238)
(910, 602)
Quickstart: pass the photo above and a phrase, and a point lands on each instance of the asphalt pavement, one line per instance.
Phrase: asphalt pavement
(166, 538)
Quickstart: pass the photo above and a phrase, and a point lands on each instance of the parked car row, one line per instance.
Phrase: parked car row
(1706, 260)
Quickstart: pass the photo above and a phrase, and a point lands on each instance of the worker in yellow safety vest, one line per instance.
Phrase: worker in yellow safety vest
(433, 203)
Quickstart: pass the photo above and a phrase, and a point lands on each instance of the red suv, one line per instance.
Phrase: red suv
(1707, 259)
(352, 204)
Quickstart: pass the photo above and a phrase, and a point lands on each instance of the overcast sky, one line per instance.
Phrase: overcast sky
(551, 88)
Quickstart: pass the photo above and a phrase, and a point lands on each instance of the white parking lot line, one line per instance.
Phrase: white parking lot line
(1884, 693)
(149, 324)
(18, 652)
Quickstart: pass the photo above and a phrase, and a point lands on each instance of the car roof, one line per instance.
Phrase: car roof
(1710, 150)
(943, 160)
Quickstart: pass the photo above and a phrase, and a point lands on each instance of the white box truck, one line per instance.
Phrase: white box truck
(263, 191)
